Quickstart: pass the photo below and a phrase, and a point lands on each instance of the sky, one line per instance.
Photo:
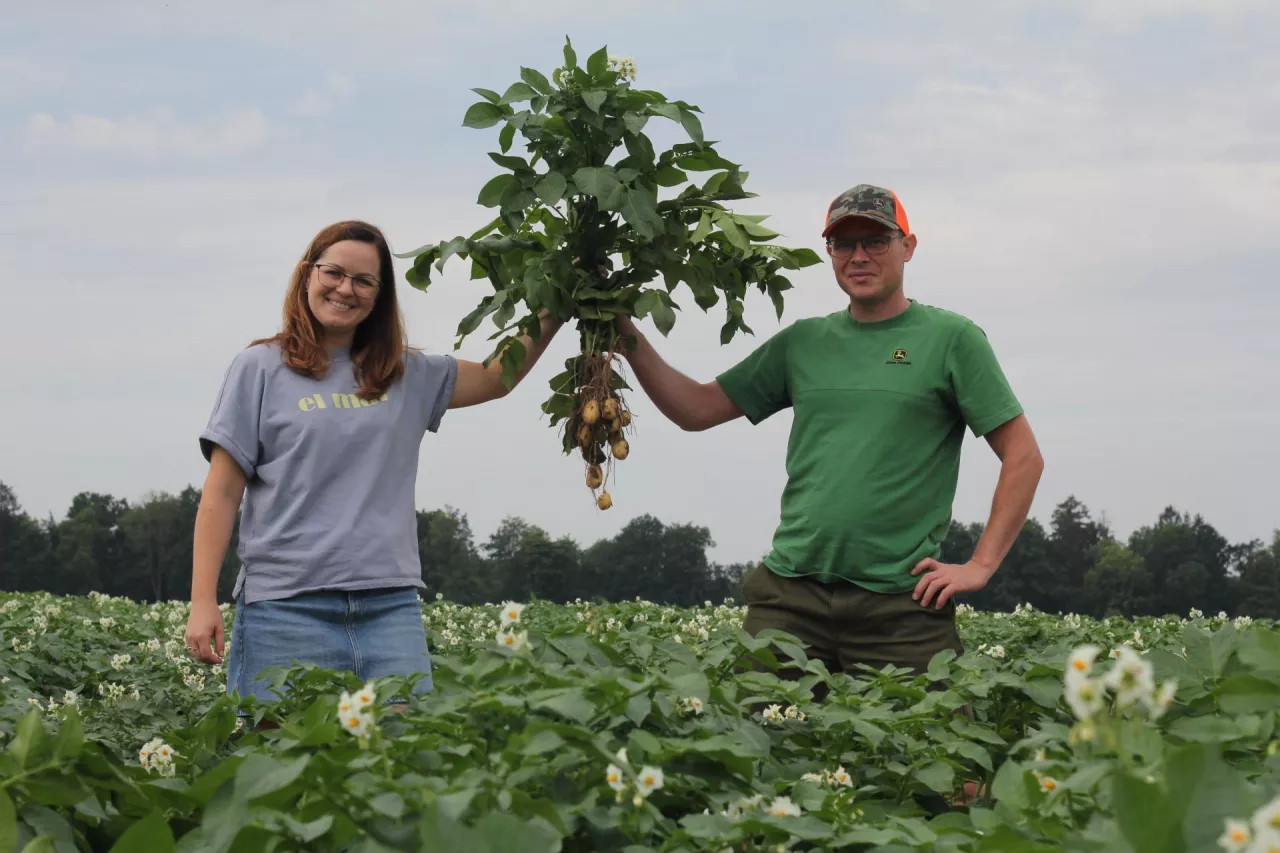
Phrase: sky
(1095, 184)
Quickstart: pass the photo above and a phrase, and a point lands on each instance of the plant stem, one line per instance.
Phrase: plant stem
(12, 780)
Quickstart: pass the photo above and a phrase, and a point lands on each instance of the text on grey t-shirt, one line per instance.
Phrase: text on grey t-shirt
(329, 502)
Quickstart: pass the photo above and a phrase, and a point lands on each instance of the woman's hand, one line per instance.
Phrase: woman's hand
(205, 632)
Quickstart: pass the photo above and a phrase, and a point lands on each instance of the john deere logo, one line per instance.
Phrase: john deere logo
(899, 355)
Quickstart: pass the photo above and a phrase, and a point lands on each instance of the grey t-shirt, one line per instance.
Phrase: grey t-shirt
(329, 502)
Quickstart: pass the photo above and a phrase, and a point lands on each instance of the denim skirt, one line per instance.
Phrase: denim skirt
(373, 633)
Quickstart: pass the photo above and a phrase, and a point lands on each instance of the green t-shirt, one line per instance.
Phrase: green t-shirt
(880, 412)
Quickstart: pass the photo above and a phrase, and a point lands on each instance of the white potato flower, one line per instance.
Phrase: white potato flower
(1131, 678)
(648, 780)
(512, 640)
(511, 613)
(1235, 837)
(783, 807)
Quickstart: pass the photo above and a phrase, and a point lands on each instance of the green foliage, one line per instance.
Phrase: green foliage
(626, 727)
(594, 222)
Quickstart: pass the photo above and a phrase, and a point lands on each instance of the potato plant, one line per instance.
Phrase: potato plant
(592, 223)
(621, 727)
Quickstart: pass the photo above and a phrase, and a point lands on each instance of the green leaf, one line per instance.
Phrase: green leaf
(684, 117)
(756, 230)
(518, 92)
(670, 176)
(570, 57)
(261, 775)
(448, 250)
(482, 114)
(1144, 816)
(777, 285)
(491, 193)
(501, 831)
(594, 99)
(732, 232)
(568, 702)
(1260, 650)
(70, 737)
(489, 95)
(641, 213)
(655, 303)
(42, 844)
(704, 161)
(149, 835)
(52, 826)
(441, 831)
(976, 754)
(388, 803)
(1009, 786)
(638, 707)
(1247, 694)
(8, 823)
(515, 164)
(29, 740)
(543, 742)
(512, 360)
(938, 776)
(537, 80)
(309, 832)
(550, 187)
(598, 64)
(1204, 791)
(634, 122)
(506, 136)
(1215, 729)
(601, 182)
(704, 228)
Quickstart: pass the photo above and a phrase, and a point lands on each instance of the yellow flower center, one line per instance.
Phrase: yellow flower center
(1080, 665)
(353, 722)
(1239, 836)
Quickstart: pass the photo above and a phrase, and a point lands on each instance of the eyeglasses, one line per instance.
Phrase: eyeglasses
(331, 276)
(874, 244)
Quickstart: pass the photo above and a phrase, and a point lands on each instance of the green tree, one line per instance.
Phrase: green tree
(526, 562)
(25, 556)
(1188, 560)
(158, 535)
(1259, 581)
(91, 544)
(451, 565)
(1118, 583)
(1075, 535)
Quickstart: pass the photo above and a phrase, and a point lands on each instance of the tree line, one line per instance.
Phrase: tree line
(1076, 564)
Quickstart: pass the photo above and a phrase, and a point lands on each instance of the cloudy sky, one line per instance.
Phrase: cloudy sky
(1096, 183)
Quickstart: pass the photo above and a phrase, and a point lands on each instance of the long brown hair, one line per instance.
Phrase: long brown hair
(378, 348)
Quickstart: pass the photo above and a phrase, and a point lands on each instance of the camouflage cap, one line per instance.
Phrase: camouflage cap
(875, 203)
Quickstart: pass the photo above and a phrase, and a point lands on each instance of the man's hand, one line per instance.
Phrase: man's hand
(947, 579)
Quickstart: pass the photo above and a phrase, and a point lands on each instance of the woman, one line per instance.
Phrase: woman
(318, 429)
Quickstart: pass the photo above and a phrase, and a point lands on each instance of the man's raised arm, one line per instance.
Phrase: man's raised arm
(687, 403)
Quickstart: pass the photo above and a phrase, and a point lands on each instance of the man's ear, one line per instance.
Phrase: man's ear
(909, 246)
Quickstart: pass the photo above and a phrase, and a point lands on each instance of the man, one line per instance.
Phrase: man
(882, 393)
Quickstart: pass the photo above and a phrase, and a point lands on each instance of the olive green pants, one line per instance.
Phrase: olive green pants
(845, 625)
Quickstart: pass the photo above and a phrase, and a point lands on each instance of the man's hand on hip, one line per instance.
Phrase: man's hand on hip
(945, 580)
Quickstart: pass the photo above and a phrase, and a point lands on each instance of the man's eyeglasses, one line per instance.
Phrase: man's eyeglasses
(874, 244)
(331, 276)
